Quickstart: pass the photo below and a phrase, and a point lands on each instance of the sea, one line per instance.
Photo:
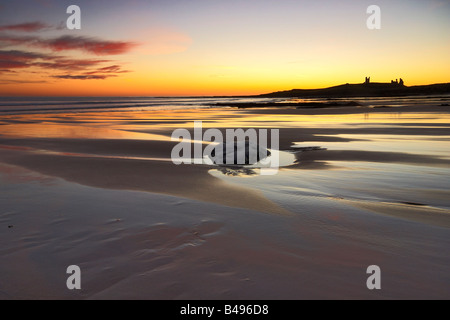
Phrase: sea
(21, 105)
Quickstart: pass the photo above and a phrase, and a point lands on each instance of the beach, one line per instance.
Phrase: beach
(98, 189)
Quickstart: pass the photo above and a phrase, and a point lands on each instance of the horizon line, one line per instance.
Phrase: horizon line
(209, 96)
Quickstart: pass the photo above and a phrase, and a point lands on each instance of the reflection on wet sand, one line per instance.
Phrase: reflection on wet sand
(71, 190)
(126, 141)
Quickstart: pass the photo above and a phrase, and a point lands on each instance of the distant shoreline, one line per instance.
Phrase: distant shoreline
(363, 90)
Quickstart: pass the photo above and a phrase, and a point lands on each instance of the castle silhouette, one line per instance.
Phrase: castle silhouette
(396, 82)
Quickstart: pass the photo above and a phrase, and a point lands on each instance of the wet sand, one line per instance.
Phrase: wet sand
(99, 190)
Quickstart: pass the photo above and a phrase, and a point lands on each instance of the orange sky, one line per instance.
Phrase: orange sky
(217, 48)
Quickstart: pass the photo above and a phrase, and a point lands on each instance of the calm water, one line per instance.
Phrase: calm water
(61, 104)
(15, 105)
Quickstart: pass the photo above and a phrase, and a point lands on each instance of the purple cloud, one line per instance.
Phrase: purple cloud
(83, 77)
(26, 27)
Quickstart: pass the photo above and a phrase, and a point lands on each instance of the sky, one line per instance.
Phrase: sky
(217, 47)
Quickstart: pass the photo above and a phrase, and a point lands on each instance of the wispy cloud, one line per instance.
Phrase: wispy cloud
(82, 77)
(91, 45)
(109, 69)
(65, 43)
(14, 59)
(18, 55)
(7, 40)
(69, 64)
(85, 68)
(13, 64)
(12, 81)
(99, 73)
(50, 61)
(26, 27)
(7, 71)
